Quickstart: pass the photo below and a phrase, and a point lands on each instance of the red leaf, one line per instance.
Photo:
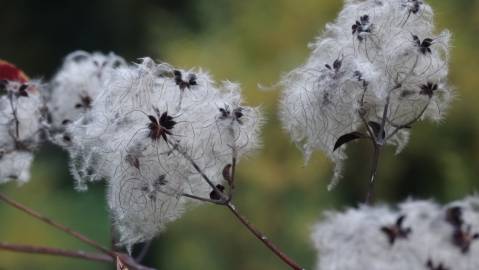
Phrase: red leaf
(10, 72)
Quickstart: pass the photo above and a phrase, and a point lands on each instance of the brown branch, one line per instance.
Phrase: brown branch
(377, 142)
(226, 201)
(372, 136)
(130, 262)
(56, 225)
(268, 243)
(408, 124)
(201, 199)
(231, 181)
(381, 140)
(89, 256)
(373, 173)
(176, 147)
(264, 239)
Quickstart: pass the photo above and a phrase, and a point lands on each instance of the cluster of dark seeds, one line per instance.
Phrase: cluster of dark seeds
(462, 236)
(235, 114)
(396, 231)
(428, 89)
(361, 26)
(187, 83)
(160, 126)
(424, 46)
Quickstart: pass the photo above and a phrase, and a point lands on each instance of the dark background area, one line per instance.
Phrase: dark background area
(252, 42)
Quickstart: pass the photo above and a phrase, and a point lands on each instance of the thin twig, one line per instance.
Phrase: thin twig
(377, 142)
(381, 138)
(233, 171)
(194, 197)
(372, 176)
(176, 147)
(377, 149)
(130, 262)
(372, 136)
(55, 252)
(232, 178)
(269, 244)
(408, 124)
(227, 202)
(15, 116)
(54, 224)
(263, 238)
(258, 234)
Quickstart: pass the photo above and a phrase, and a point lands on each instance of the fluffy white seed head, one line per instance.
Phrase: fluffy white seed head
(377, 52)
(76, 85)
(146, 132)
(21, 122)
(417, 235)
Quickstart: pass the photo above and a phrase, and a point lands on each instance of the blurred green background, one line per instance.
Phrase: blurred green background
(252, 42)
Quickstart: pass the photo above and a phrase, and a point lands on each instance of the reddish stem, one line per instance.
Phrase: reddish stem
(130, 262)
(61, 227)
(264, 239)
(55, 252)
